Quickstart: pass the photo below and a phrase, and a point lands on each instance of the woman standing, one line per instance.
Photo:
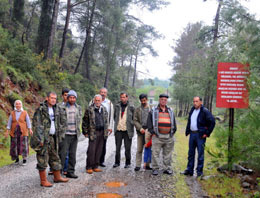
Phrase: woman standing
(17, 128)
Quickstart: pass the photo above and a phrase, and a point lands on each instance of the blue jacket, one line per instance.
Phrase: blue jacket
(205, 122)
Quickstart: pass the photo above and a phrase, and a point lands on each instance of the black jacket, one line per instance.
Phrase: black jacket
(205, 122)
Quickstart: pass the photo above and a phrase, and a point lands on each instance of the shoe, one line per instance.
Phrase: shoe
(155, 172)
(89, 171)
(102, 165)
(97, 170)
(116, 165)
(186, 172)
(168, 172)
(137, 168)
(58, 178)
(199, 174)
(148, 168)
(17, 161)
(24, 162)
(71, 175)
(44, 181)
(127, 166)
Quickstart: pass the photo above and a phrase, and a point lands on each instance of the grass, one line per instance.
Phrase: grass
(180, 158)
(5, 158)
(218, 186)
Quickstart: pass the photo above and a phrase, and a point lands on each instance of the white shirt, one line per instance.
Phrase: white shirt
(109, 107)
(194, 118)
(52, 118)
(106, 103)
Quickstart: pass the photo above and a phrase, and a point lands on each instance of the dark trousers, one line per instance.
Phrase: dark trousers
(196, 141)
(95, 150)
(119, 136)
(103, 154)
(69, 145)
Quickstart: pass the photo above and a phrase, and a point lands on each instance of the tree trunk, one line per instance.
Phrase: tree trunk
(53, 29)
(129, 69)
(80, 57)
(136, 56)
(208, 91)
(45, 23)
(88, 42)
(134, 76)
(66, 27)
(11, 9)
(26, 33)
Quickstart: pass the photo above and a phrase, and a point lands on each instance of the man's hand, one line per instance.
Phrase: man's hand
(109, 131)
(86, 135)
(142, 131)
(41, 144)
(204, 136)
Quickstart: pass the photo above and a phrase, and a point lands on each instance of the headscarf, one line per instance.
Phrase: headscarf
(15, 105)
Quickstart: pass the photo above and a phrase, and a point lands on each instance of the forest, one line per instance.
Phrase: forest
(234, 36)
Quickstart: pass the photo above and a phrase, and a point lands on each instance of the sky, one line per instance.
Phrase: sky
(170, 21)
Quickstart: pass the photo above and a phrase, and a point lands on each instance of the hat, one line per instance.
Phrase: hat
(72, 93)
(163, 96)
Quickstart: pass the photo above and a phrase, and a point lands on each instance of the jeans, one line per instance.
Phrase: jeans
(198, 142)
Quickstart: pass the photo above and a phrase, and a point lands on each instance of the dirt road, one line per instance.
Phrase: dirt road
(23, 181)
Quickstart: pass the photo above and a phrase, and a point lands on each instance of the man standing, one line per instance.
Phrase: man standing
(140, 122)
(161, 122)
(45, 139)
(124, 129)
(110, 110)
(200, 125)
(95, 126)
(74, 114)
(61, 106)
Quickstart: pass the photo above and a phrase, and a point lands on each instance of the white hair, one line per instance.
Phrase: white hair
(103, 88)
(15, 105)
(98, 95)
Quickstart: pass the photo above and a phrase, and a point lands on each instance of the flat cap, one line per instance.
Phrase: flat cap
(163, 96)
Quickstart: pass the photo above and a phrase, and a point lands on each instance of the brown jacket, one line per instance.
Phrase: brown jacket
(21, 122)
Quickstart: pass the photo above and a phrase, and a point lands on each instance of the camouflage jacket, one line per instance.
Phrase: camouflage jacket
(88, 124)
(41, 125)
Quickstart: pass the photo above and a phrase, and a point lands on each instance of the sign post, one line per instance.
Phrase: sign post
(232, 93)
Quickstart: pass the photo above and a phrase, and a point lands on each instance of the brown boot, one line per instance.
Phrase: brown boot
(44, 181)
(58, 178)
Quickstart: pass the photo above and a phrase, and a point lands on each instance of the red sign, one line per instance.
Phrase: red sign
(232, 89)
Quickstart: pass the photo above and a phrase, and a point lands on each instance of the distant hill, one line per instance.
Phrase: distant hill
(156, 82)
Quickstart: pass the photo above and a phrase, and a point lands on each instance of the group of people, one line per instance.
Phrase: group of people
(55, 132)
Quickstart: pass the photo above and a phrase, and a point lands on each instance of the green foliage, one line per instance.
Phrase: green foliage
(4, 8)
(12, 97)
(11, 72)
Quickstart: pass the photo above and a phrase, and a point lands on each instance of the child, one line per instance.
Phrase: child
(147, 150)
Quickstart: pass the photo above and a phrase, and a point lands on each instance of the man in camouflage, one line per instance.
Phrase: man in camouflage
(95, 126)
(48, 124)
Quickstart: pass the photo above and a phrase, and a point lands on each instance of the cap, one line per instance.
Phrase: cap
(163, 96)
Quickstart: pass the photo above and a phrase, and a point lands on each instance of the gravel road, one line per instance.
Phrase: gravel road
(23, 181)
